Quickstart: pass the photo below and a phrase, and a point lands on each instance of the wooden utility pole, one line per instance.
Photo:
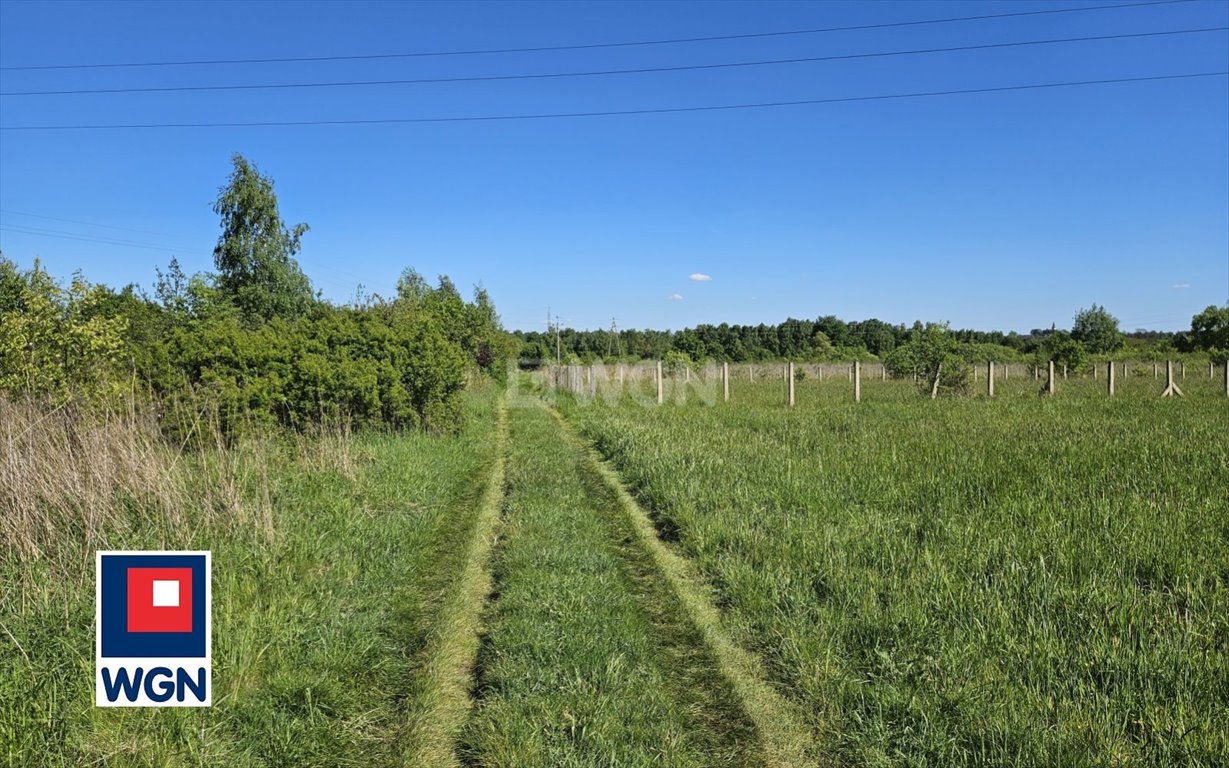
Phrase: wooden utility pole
(1171, 386)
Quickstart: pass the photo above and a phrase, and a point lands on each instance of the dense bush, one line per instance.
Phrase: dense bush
(387, 364)
(374, 366)
(53, 340)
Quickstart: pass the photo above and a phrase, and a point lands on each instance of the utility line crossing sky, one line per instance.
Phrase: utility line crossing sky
(992, 164)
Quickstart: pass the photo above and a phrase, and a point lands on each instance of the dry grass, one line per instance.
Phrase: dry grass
(67, 474)
(73, 478)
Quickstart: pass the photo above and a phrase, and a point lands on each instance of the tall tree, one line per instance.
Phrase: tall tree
(255, 252)
(1097, 330)
(1210, 328)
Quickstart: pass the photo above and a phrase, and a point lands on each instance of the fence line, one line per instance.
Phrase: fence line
(710, 379)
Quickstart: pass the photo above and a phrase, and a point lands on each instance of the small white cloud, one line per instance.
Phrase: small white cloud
(1180, 285)
(700, 277)
(676, 297)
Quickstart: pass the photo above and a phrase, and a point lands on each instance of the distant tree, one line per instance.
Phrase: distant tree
(689, 344)
(1062, 348)
(835, 329)
(675, 362)
(171, 289)
(1210, 328)
(1097, 330)
(938, 360)
(255, 252)
(821, 346)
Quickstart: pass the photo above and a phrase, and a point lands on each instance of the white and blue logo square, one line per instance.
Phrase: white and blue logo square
(153, 629)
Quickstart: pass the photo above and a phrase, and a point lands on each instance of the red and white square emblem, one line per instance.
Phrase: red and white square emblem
(159, 599)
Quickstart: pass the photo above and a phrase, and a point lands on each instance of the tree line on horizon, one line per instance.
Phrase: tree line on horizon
(1094, 333)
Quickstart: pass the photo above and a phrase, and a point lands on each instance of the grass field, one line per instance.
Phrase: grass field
(902, 582)
(1022, 581)
(331, 564)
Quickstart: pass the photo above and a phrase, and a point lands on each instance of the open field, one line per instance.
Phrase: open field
(1017, 581)
(1021, 581)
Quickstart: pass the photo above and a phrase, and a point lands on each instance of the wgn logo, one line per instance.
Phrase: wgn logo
(153, 629)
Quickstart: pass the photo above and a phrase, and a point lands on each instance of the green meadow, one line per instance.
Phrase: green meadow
(1016, 581)
(574, 581)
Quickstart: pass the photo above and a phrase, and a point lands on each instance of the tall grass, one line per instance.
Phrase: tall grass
(332, 554)
(1022, 581)
(68, 474)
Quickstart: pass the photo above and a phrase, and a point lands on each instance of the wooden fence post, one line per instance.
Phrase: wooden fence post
(725, 380)
(1050, 385)
(789, 375)
(1171, 386)
(1109, 377)
(990, 379)
(1154, 373)
(1064, 370)
(660, 388)
(883, 371)
(857, 381)
(1227, 378)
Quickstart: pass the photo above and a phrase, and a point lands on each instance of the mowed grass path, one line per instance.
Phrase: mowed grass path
(328, 588)
(589, 659)
(1023, 581)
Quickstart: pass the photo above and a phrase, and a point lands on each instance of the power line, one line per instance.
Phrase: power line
(618, 113)
(83, 223)
(84, 238)
(636, 71)
(591, 46)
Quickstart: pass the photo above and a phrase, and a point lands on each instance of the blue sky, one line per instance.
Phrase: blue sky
(999, 210)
